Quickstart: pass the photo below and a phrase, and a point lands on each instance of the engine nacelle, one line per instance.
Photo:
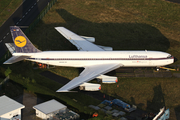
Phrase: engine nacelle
(106, 48)
(90, 39)
(90, 87)
(108, 79)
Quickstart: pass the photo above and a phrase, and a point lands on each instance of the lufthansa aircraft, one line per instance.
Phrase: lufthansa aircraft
(97, 60)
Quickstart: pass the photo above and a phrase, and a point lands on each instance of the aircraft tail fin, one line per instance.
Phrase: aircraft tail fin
(21, 42)
(21, 45)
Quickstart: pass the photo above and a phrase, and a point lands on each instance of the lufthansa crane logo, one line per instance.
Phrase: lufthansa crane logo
(20, 41)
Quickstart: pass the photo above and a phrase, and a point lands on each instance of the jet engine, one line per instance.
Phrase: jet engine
(107, 79)
(90, 39)
(90, 87)
(106, 48)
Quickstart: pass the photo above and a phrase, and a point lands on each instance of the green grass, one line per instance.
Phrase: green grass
(66, 72)
(7, 7)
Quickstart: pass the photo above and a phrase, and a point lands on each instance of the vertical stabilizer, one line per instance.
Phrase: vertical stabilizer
(21, 42)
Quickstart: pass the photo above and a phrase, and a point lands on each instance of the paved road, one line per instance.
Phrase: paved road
(28, 100)
(23, 16)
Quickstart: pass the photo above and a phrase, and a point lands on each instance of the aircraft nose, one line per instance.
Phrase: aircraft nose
(172, 59)
(175, 59)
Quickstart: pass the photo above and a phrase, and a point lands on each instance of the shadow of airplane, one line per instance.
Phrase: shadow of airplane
(124, 36)
(120, 36)
(177, 112)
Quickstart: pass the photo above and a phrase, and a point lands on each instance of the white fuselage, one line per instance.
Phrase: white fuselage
(86, 58)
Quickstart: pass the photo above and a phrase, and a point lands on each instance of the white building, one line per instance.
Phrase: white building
(47, 110)
(10, 109)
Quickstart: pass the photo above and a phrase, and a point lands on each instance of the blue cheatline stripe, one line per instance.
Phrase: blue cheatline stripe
(99, 58)
(109, 81)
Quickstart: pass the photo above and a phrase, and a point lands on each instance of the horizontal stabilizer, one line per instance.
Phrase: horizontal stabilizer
(11, 47)
(14, 59)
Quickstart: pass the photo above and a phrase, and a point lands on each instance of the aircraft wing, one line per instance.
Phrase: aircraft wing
(78, 41)
(89, 73)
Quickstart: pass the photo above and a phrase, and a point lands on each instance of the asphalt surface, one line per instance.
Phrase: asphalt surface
(23, 16)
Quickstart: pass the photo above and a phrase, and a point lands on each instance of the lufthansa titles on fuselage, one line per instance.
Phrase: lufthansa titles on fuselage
(137, 56)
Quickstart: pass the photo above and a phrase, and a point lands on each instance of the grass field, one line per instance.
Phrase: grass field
(123, 25)
(7, 7)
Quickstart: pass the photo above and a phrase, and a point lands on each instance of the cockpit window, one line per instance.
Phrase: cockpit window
(169, 56)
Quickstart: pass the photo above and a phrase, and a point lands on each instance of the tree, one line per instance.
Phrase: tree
(33, 81)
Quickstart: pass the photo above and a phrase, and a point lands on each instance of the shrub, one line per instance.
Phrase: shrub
(7, 72)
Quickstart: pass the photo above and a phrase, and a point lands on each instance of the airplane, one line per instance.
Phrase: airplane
(97, 60)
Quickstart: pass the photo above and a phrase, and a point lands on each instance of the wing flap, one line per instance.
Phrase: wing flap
(81, 43)
(14, 59)
(89, 73)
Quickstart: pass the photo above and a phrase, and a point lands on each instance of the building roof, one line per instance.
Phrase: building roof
(49, 106)
(7, 105)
